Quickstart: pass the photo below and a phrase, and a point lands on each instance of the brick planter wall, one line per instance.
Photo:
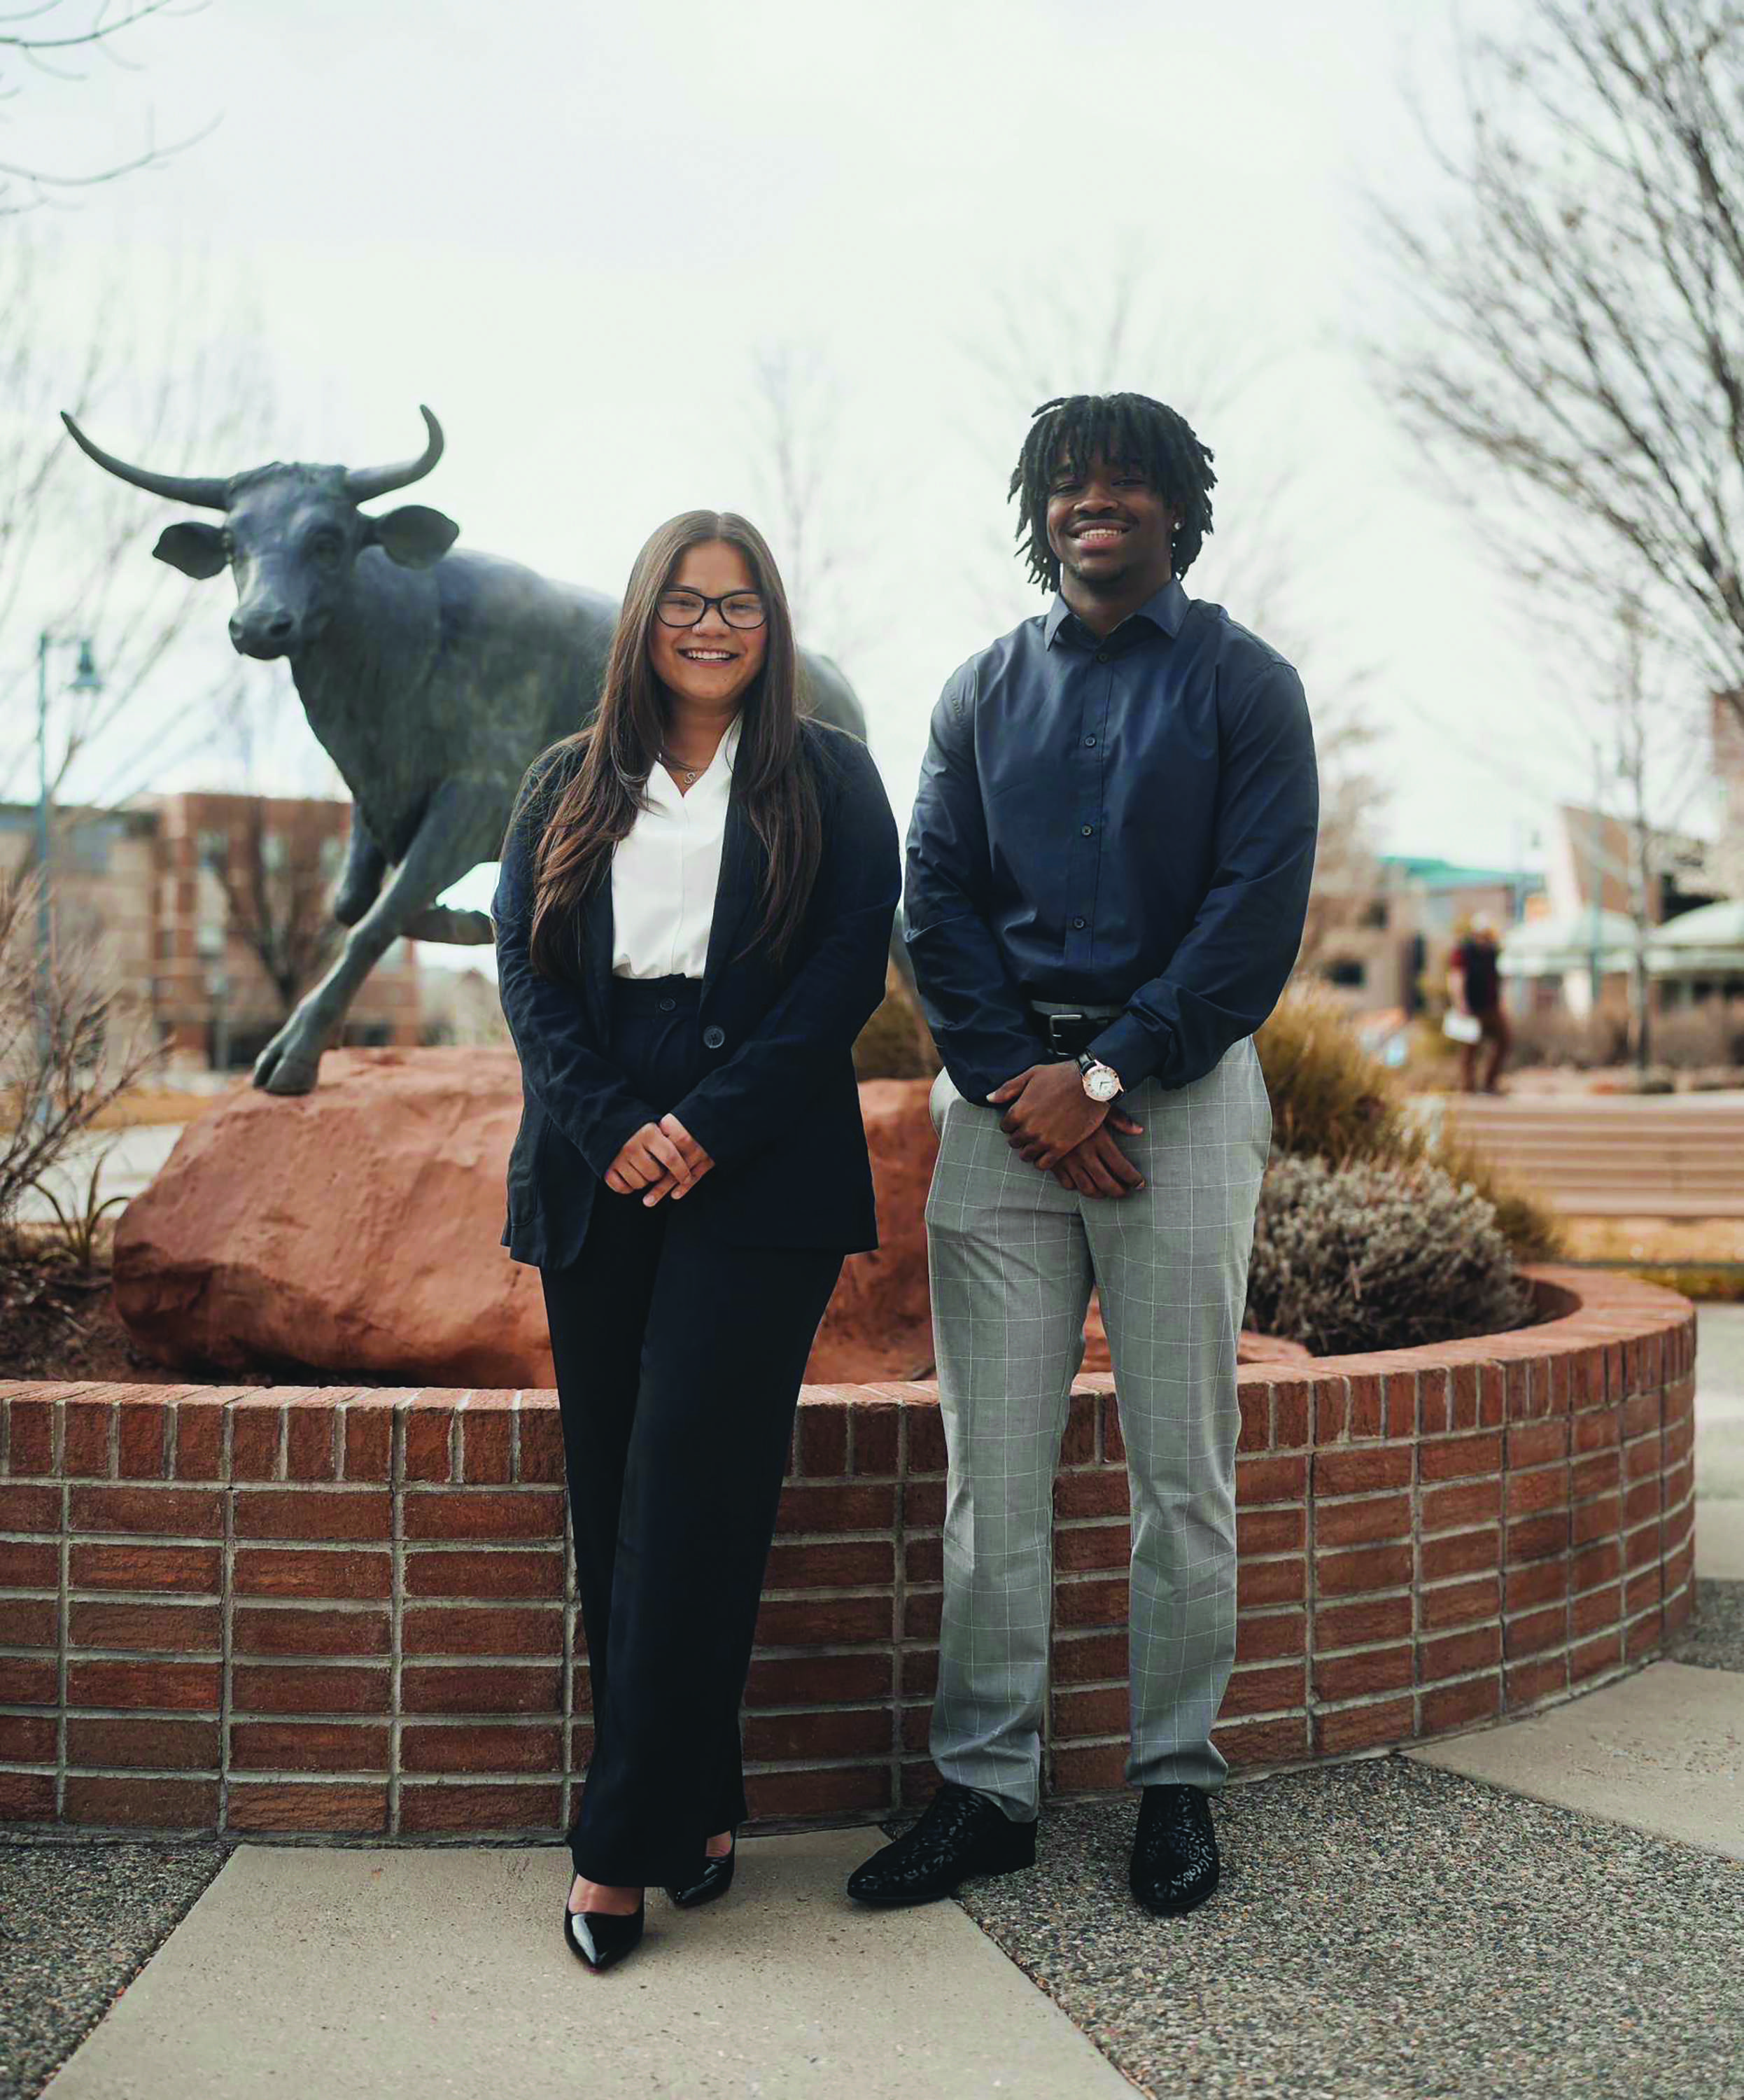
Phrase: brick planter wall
(351, 1612)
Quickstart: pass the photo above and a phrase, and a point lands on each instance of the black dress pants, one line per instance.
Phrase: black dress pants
(678, 1358)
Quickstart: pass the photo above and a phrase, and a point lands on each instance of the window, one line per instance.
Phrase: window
(212, 850)
(1375, 915)
(1348, 971)
(275, 853)
(208, 940)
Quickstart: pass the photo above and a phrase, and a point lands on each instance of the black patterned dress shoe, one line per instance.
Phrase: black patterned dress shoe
(1175, 1863)
(962, 1833)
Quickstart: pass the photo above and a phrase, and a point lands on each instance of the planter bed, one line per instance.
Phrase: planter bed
(349, 1612)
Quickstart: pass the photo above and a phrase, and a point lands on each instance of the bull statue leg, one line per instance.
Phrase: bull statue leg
(462, 826)
(360, 884)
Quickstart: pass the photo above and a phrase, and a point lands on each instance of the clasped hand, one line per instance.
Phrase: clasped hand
(1054, 1125)
(660, 1159)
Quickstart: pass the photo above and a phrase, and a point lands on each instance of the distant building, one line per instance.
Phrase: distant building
(191, 902)
(1384, 958)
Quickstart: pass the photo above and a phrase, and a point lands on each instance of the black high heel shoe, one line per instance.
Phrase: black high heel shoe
(600, 1937)
(715, 1879)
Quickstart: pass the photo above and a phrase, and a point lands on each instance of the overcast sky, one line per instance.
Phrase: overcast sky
(573, 229)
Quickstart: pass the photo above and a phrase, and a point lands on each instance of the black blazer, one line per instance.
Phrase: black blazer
(779, 1108)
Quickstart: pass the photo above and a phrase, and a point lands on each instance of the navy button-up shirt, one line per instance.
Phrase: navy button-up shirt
(1128, 821)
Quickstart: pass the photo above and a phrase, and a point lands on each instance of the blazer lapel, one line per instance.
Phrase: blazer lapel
(596, 953)
(735, 893)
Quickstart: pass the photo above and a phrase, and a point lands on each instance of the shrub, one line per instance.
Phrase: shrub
(1368, 1256)
(1331, 1100)
(1587, 1042)
(894, 1043)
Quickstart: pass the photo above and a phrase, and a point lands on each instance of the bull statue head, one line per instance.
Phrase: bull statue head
(290, 536)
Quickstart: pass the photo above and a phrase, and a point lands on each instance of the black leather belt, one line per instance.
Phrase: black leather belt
(1070, 1030)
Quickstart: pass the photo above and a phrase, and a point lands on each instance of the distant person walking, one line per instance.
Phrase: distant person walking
(1474, 985)
(1107, 875)
(693, 922)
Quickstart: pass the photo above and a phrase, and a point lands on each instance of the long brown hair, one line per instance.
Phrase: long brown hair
(621, 746)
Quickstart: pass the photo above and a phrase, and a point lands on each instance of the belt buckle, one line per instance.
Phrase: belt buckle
(1058, 1022)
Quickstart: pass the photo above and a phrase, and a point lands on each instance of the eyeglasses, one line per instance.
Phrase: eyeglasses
(685, 608)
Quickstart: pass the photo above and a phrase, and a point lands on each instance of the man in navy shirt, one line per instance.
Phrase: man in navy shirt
(1107, 875)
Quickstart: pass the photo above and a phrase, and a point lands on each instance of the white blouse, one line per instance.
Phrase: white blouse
(665, 872)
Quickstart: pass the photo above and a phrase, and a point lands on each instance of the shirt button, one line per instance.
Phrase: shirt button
(714, 1036)
(1077, 922)
(669, 1005)
(1089, 831)
(1102, 656)
(1090, 743)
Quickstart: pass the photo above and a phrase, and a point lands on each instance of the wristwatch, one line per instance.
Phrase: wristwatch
(1102, 1083)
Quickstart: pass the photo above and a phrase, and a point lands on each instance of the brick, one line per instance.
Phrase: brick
(1366, 1412)
(1347, 1729)
(816, 1680)
(841, 1732)
(1604, 1652)
(1596, 1609)
(1269, 1479)
(30, 1621)
(1541, 1582)
(1596, 1429)
(433, 1807)
(1641, 1415)
(1367, 1670)
(26, 1565)
(316, 1746)
(1089, 1767)
(1533, 1538)
(167, 1512)
(490, 1629)
(1601, 1518)
(1459, 1604)
(861, 1506)
(269, 1571)
(1536, 1443)
(270, 1629)
(1462, 1506)
(1642, 1588)
(499, 1748)
(1254, 1400)
(1450, 1706)
(1359, 1472)
(1533, 1632)
(1544, 1677)
(518, 1515)
(821, 1440)
(263, 1687)
(187, 1686)
(1265, 1636)
(199, 1428)
(1459, 1458)
(1260, 1582)
(148, 1804)
(540, 1429)
(487, 1442)
(1283, 1741)
(1368, 1567)
(1096, 1491)
(27, 1796)
(1434, 1400)
(339, 1808)
(831, 1565)
(926, 1452)
(28, 1738)
(1088, 1658)
(1292, 1411)
(1545, 1488)
(30, 1436)
(487, 1574)
(1265, 1531)
(427, 1436)
(84, 1437)
(1368, 1521)
(1599, 1472)
(312, 1513)
(366, 1441)
(1266, 1688)
(1366, 1624)
(812, 1622)
(257, 1426)
(486, 1688)
(29, 1680)
(28, 1508)
(921, 1614)
(142, 1743)
(915, 1722)
(310, 1434)
(1101, 1712)
(877, 1429)
(1642, 1634)
(1093, 1602)
(187, 1570)
(1457, 1655)
(924, 1560)
(923, 1500)
(839, 1789)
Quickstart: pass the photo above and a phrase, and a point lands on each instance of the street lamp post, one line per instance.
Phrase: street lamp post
(83, 680)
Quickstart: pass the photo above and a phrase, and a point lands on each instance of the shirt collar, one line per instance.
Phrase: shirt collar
(729, 743)
(1165, 609)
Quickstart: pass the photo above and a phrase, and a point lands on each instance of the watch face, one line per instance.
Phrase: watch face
(1101, 1084)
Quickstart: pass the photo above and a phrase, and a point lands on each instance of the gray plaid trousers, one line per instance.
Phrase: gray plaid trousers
(1013, 1257)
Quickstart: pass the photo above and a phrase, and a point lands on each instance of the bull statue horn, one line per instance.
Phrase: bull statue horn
(364, 482)
(209, 490)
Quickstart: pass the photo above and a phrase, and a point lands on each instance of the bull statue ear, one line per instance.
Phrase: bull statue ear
(414, 535)
(196, 550)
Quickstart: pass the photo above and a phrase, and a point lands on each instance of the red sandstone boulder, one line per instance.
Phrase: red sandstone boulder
(355, 1230)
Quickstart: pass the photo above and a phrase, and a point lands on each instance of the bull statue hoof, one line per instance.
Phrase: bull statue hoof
(279, 1070)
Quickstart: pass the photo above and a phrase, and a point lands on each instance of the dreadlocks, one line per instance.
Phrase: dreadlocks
(1121, 427)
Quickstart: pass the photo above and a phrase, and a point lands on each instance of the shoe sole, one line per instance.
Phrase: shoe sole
(938, 1896)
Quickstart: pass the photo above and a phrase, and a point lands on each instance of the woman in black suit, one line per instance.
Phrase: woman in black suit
(693, 917)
